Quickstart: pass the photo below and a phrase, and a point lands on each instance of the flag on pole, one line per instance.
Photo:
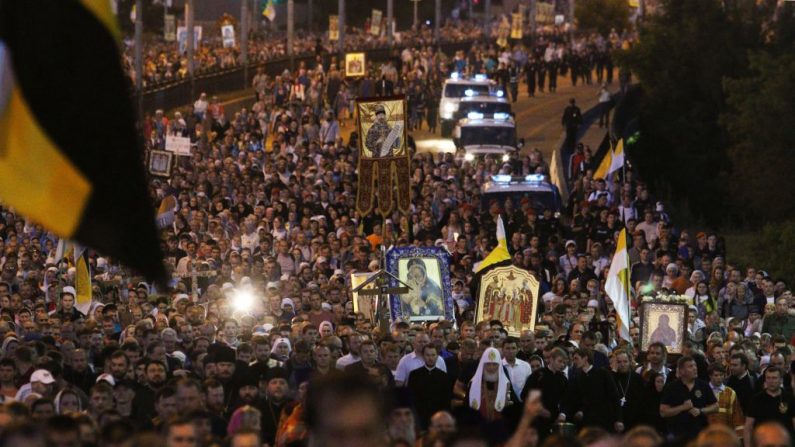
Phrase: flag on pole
(500, 252)
(604, 167)
(617, 285)
(617, 157)
(82, 280)
(269, 11)
(79, 180)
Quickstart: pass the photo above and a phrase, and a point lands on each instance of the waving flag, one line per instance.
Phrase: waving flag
(269, 11)
(80, 180)
(500, 252)
(617, 285)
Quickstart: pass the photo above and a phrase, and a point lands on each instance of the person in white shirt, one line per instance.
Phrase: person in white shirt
(200, 106)
(354, 344)
(518, 370)
(414, 360)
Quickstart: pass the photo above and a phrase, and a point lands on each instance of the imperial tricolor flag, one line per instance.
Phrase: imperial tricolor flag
(617, 285)
(500, 252)
(70, 155)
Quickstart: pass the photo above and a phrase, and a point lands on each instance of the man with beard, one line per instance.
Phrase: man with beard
(247, 393)
(552, 383)
(401, 421)
(144, 401)
(226, 369)
(631, 393)
(79, 372)
(491, 399)
(275, 400)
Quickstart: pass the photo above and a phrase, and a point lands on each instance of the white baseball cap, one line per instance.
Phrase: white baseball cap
(43, 376)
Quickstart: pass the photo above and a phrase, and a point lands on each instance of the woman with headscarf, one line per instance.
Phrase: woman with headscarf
(281, 349)
(69, 400)
(326, 329)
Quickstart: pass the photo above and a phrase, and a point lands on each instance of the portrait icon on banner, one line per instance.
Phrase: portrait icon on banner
(382, 124)
(509, 294)
(663, 323)
(425, 298)
(355, 65)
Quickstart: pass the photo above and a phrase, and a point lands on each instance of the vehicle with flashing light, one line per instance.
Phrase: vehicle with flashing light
(483, 106)
(456, 88)
(476, 136)
(534, 188)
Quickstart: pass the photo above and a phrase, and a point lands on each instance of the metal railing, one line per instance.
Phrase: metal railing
(182, 92)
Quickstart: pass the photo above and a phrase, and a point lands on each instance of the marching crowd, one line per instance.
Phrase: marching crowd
(265, 209)
(163, 63)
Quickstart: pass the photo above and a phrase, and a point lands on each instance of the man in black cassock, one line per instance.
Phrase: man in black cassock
(552, 384)
(592, 396)
(631, 394)
(430, 387)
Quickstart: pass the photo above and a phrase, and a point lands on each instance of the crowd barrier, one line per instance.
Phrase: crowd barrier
(178, 93)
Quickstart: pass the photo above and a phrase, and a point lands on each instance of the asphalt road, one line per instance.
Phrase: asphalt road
(537, 119)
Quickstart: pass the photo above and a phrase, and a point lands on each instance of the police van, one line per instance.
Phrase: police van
(456, 88)
(478, 136)
(483, 106)
(541, 194)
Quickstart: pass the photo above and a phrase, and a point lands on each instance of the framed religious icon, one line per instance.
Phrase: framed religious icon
(510, 295)
(426, 271)
(664, 323)
(160, 163)
(364, 304)
(355, 65)
(384, 163)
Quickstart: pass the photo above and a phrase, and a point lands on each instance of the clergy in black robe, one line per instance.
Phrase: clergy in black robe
(552, 384)
(592, 393)
(430, 387)
(632, 395)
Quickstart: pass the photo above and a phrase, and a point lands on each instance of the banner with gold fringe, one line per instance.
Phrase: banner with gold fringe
(383, 155)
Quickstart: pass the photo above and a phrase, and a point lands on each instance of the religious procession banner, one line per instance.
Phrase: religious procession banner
(503, 32)
(426, 271)
(355, 65)
(545, 13)
(333, 28)
(510, 295)
(516, 25)
(383, 155)
(375, 22)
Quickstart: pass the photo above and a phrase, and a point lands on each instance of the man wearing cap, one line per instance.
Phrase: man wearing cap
(68, 312)
(275, 400)
(41, 383)
(379, 140)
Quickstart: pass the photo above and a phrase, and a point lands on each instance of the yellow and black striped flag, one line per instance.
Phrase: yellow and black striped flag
(70, 156)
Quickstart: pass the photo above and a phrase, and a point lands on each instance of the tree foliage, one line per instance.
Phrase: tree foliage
(771, 248)
(760, 120)
(681, 60)
(602, 15)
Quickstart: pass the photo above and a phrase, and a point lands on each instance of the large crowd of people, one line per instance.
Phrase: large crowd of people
(265, 217)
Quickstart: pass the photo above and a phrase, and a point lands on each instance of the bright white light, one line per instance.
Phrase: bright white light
(501, 178)
(506, 157)
(480, 77)
(475, 115)
(469, 157)
(500, 93)
(243, 300)
(454, 75)
(535, 178)
(469, 92)
(501, 116)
